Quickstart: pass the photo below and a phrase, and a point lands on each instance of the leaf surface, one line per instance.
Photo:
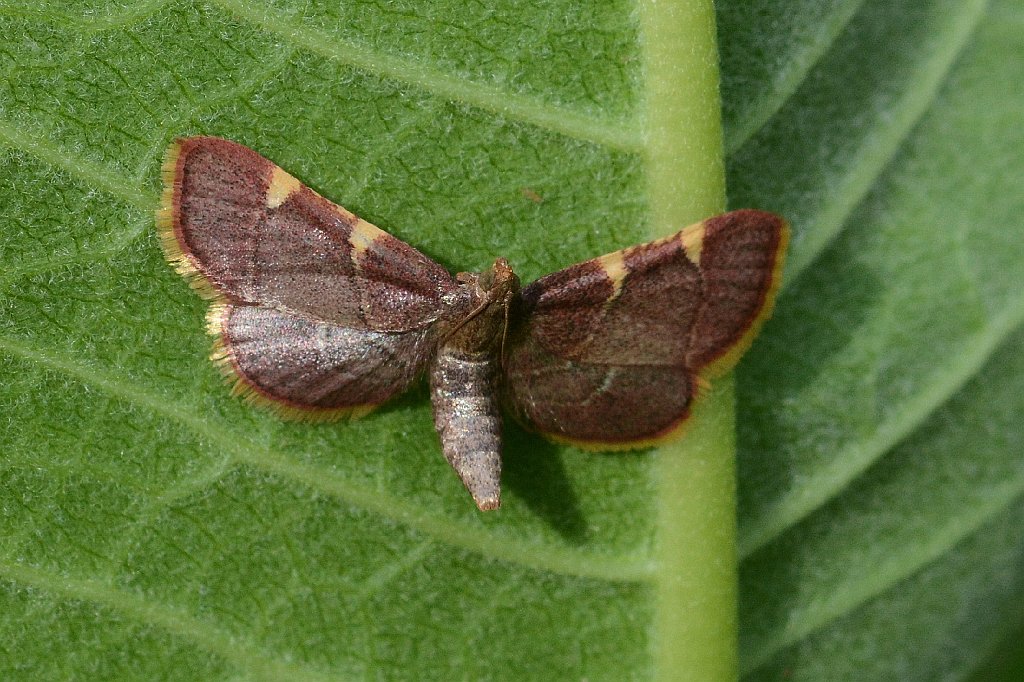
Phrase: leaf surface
(155, 528)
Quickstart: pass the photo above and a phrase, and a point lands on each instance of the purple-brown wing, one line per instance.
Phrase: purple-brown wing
(610, 353)
(312, 369)
(316, 312)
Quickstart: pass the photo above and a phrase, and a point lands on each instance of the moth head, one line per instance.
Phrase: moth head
(499, 284)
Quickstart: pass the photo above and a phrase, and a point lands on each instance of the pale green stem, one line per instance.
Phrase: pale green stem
(695, 634)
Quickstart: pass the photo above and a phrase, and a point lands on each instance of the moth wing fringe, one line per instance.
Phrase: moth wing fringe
(169, 242)
(223, 358)
(670, 434)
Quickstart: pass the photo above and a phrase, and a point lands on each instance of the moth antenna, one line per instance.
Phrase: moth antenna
(504, 330)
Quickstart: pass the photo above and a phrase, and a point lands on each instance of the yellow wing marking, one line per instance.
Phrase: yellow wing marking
(615, 267)
(363, 235)
(692, 239)
(282, 186)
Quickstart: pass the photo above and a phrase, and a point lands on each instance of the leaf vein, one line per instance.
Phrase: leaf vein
(112, 244)
(176, 121)
(245, 655)
(848, 463)
(883, 576)
(93, 173)
(119, 18)
(556, 560)
(792, 76)
(619, 135)
(878, 150)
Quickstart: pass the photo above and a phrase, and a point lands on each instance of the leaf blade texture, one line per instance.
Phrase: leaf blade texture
(154, 527)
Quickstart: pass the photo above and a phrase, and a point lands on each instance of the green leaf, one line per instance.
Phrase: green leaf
(881, 475)
(152, 527)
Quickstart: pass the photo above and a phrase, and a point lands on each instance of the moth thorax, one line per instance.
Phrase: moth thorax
(477, 319)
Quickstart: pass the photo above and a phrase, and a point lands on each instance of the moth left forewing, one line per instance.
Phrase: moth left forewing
(315, 312)
(244, 230)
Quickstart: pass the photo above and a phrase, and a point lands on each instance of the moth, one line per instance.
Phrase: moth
(321, 315)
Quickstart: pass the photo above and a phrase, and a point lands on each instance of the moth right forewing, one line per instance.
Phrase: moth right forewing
(597, 352)
(741, 258)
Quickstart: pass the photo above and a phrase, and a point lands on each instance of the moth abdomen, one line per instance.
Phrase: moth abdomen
(468, 420)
